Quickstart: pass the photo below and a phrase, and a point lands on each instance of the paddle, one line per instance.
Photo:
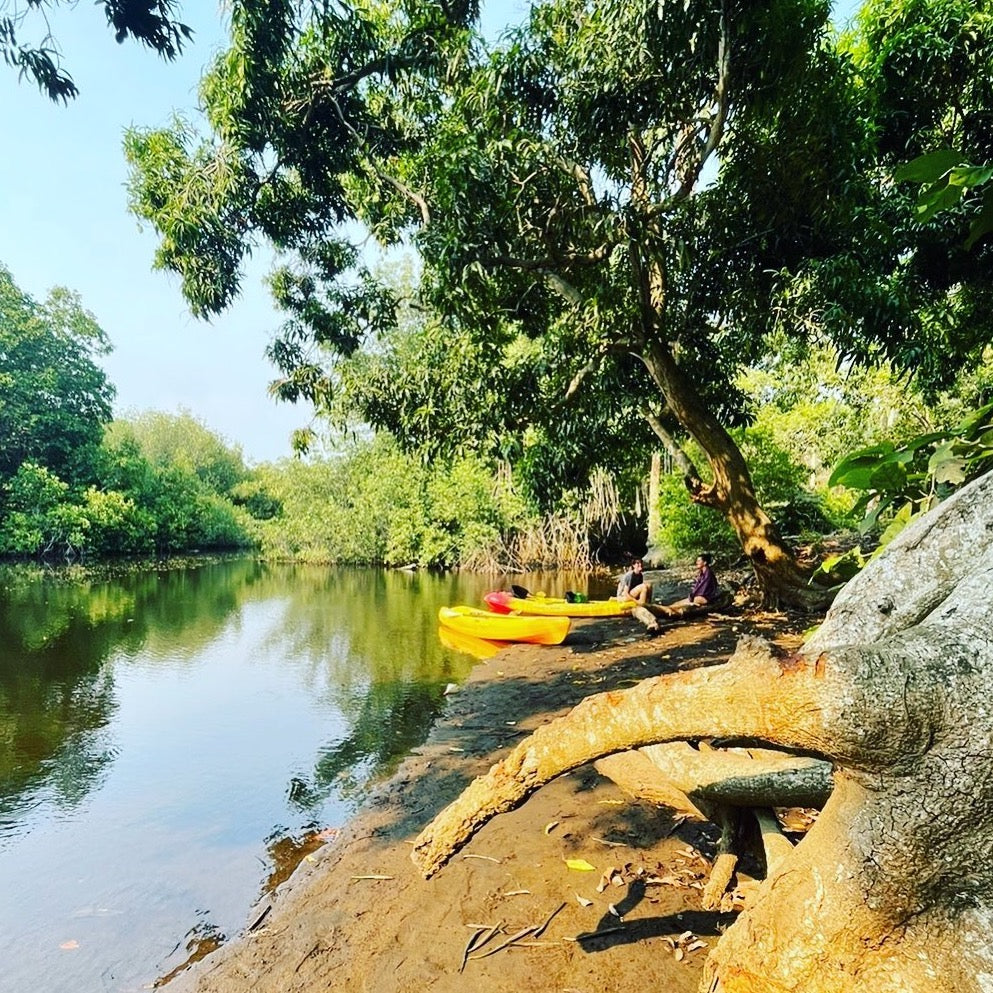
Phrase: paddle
(523, 594)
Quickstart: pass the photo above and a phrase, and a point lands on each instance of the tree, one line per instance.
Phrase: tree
(924, 70)
(556, 190)
(184, 441)
(890, 890)
(54, 397)
(152, 22)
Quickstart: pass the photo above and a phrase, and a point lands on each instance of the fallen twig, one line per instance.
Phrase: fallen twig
(523, 933)
(482, 935)
(548, 920)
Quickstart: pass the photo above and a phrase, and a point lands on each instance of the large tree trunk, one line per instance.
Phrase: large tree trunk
(891, 889)
(732, 492)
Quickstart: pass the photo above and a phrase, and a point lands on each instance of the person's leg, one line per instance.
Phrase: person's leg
(640, 594)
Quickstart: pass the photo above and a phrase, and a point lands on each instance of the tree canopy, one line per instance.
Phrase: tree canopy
(154, 23)
(613, 209)
(54, 396)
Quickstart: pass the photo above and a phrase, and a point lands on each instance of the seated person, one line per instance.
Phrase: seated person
(633, 585)
(704, 590)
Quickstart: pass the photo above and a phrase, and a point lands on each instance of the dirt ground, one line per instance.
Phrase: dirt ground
(356, 914)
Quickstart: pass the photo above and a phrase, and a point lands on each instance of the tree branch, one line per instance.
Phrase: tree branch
(594, 257)
(383, 177)
(719, 119)
(582, 177)
(679, 457)
(591, 367)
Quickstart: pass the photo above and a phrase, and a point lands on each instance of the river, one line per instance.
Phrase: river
(174, 740)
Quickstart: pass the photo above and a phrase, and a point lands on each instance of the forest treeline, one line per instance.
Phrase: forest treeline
(75, 482)
(728, 235)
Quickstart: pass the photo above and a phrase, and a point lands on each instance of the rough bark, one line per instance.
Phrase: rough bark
(707, 776)
(732, 492)
(891, 888)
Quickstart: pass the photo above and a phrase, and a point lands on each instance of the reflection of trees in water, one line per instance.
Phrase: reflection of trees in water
(57, 629)
(55, 699)
(365, 639)
(392, 719)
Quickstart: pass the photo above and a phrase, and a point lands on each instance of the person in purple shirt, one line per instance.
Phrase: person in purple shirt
(704, 589)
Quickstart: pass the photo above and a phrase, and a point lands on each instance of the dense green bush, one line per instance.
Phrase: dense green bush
(686, 528)
(779, 480)
(373, 504)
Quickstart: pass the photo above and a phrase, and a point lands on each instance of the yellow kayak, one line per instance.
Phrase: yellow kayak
(538, 630)
(468, 644)
(550, 606)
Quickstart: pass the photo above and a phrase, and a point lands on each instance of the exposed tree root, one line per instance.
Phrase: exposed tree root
(889, 892)
(729, 821)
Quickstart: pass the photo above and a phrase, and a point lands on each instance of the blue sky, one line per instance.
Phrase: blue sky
(64, 221)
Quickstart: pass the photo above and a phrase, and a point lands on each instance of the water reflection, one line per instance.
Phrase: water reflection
(171, 740)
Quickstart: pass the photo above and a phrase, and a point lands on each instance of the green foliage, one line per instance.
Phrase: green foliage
(924, 70)
(687, 527)
(152, 22)
(373, 504)
(117, 526)
(174, 495)
(901, 482)
(183, 441)
(945, 177)
(38, 517)
(781, 483)
(513, 169)
(54, 397)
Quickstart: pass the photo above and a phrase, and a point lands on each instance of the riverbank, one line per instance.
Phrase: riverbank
(357, 915)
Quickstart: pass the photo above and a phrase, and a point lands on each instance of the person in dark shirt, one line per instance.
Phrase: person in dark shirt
(633, 585)
(704, 588)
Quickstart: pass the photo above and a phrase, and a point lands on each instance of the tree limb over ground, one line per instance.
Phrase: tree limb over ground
(890, 890)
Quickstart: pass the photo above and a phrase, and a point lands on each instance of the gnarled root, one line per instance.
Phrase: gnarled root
(768, 694)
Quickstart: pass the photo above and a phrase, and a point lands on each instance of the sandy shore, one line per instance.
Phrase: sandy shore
(356, 915)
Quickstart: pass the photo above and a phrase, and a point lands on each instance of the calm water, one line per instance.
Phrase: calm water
(171, 742)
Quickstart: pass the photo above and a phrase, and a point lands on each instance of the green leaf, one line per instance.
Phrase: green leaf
(890, 476)
(983, 224)
(922, 440)
(935, 199)
(903, 517)
(947, 466)
(929, 168)
(855, 470)
(969, 176)
(968, 425)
